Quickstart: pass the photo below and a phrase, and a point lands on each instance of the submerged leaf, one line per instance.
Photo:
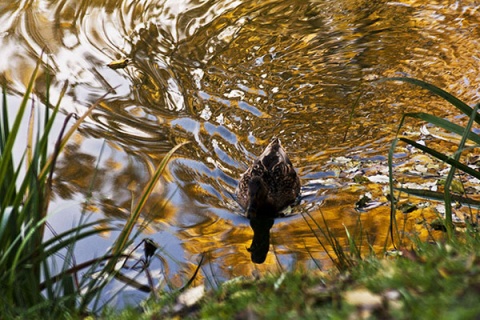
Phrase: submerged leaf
(456, 186)
(438, 225)
(407, 207)
(360, 179)
(443, 158)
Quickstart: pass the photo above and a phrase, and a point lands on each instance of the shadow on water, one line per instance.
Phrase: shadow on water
(228, 75)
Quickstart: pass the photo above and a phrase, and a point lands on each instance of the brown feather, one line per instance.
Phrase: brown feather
(277, 175)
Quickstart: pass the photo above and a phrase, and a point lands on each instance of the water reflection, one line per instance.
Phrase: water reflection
(228, 75)
(269, 186)
(261, 238)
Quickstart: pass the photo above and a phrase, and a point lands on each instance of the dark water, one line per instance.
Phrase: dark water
(227, 76)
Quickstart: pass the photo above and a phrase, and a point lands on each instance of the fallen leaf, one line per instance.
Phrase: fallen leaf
(363, 298)
(192, 296)
(379, 178)
(407, 207)
(363, 201)
(456, 186)
(118, 64)
(360, 179)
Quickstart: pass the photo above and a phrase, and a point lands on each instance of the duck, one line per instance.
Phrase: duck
(269, 185)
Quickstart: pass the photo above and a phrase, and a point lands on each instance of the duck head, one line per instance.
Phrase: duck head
(260, 204)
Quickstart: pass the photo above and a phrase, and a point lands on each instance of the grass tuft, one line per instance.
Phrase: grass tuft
(33, 284)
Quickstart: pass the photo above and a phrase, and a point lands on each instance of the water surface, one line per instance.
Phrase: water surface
(227, 76)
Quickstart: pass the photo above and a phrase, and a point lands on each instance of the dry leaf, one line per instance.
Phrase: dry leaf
(192, 295)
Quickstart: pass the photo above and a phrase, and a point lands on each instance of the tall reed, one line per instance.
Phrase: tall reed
(465, 132)
(29, 284)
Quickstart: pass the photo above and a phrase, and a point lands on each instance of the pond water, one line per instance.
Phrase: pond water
(227, 76)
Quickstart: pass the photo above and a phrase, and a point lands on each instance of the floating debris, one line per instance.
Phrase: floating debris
(379, 178)
(359, 178)
(366, 203)
(118, 64)
(363, 202)
(456, 186)
(407, 207)
(438, 225)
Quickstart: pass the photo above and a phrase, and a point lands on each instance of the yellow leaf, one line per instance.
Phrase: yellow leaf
(363, 298)
(118, 64)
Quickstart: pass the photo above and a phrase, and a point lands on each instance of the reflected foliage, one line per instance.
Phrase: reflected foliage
(227, 75)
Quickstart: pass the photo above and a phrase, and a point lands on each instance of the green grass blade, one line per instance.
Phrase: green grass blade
(393, 210)
(70, 132)
(354, 248)
(444, 158)
(350, 117)
(7, 186)
(13, 132)
(451, 174)
(4, 129)
(50, 119)
(457, 103)
(445, 124)
(64, 243)
(439, 196)
(325, 249)
(123, 238)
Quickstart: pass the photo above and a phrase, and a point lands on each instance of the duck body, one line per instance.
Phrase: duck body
(269, 185)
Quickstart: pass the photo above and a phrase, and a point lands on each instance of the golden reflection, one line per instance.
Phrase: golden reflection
(226, 76)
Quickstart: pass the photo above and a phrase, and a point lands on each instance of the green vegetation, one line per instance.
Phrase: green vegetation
(24, 253)
(30, 287)
(427, 280)
(453, 160)
(438, 280)
(433, 281)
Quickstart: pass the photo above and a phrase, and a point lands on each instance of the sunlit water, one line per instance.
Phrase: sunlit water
(227, 76)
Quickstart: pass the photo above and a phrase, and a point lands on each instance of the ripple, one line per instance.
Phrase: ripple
(226, 76)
